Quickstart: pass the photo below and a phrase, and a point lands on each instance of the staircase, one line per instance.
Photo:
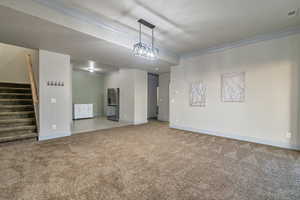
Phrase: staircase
(17, 116)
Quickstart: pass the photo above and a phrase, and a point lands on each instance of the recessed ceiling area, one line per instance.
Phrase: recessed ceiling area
(32, 32)
(187, 25)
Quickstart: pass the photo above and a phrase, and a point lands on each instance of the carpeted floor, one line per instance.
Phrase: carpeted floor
(147, 162)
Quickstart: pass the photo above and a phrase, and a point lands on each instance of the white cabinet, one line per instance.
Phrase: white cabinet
(82, 111)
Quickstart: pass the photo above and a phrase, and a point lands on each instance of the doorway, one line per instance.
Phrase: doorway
(153, 91)
(93, 105)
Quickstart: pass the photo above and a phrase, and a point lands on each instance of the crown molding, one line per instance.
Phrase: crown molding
(249, 41)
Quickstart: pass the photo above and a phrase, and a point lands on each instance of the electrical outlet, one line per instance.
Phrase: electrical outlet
(288, 135)
(54, 126)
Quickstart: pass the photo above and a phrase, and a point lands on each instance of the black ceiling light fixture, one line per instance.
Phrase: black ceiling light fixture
(142, 49)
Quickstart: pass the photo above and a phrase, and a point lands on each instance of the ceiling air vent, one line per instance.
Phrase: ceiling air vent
(293, 13)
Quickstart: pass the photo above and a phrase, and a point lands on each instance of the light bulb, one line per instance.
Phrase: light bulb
(92, 64)
(140, 51)
(152, 54)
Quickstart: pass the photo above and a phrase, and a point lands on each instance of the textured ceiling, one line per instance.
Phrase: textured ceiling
(187, 25)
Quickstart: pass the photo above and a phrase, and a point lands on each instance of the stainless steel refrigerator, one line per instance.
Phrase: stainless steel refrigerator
(113, 104)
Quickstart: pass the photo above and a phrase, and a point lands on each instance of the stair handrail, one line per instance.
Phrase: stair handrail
(31, 79)
(33, 89)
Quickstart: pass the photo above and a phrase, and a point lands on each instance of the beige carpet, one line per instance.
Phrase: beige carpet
(147, 162)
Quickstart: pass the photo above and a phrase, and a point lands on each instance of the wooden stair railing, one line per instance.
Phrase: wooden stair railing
(33, 86)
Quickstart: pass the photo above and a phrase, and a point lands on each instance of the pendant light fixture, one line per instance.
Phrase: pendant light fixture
(142, 49)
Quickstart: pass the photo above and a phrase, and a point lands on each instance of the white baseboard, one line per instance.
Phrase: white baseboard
(57, 135)
(127, 122)
(238, 137)
(163, 120)
(141, 122)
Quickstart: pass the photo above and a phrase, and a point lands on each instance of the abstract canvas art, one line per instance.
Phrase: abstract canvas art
(198, 94)
(233, 87)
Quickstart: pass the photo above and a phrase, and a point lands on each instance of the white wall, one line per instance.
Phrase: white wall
(123, 79)
(152, 95)
(130, 82)
(164, 81)
(55, 67)
(13, 65)
(271, 108)
(82, 80)
(140, 97)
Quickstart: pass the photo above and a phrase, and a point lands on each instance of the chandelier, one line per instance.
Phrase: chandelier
(142, 49)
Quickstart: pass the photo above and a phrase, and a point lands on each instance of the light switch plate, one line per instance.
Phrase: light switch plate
(53, 100)
(54, 126)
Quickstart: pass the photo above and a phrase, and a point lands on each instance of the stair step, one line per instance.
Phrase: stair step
(14, 85)
(11, 136)
(10, 121)
(17, 128)
(15, 95)
(11, 108)
(16, 106)
(15, 101)
(14, 90)
(16, 113)
(32, 123)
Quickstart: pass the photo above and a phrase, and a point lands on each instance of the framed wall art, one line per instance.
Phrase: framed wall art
(198, 94)
(233, 87)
